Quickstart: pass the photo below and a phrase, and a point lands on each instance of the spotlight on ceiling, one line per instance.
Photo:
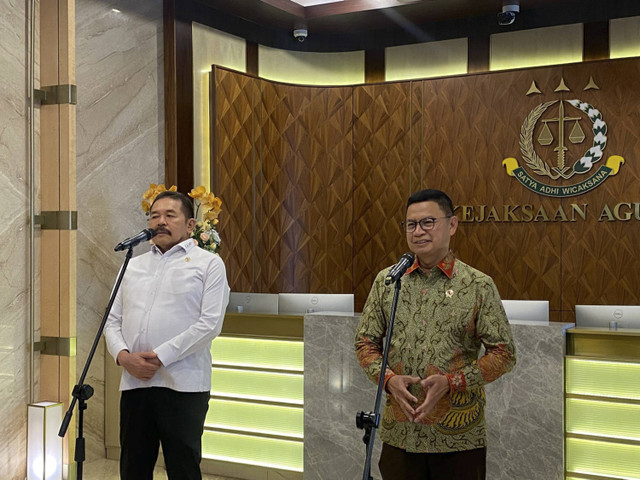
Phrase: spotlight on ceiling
(509, 10)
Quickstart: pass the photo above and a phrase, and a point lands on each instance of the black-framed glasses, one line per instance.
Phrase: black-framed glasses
(426, 223)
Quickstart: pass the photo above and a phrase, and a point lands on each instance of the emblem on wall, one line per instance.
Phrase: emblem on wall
(552, 144)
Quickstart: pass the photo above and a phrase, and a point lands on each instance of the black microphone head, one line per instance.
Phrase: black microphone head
(399, 268)
(151, 233)
(410, 257)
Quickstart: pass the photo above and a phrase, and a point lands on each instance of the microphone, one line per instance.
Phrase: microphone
(146, 234)
(399, 268)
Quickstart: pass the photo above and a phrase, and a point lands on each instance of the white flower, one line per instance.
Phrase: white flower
(449, 293)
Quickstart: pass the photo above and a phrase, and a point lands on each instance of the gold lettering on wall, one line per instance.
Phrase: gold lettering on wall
(622, 212)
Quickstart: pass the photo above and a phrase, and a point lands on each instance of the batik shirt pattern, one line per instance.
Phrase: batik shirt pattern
(443, 320)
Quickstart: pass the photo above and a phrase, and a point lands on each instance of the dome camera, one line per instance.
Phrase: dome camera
(508, 14)
(300, 34)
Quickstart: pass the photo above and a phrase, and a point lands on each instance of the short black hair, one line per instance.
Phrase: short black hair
(186, 205)
(433, 195)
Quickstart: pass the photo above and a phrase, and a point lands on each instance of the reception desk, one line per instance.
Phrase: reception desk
(524, 407)
(254, 426)
(602, 404)
(274, 374)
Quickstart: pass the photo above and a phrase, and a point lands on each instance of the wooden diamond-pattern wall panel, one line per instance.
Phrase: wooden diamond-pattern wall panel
(234, 136)
(323, 262)
(471, 125)
(282, 143)
(416, 144)
(381, 137)
(306, 188)
(600, 261)
(315, 181)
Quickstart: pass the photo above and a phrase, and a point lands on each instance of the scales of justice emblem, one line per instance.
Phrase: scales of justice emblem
(561, 116)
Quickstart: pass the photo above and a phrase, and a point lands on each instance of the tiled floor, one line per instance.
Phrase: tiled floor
(108, 470)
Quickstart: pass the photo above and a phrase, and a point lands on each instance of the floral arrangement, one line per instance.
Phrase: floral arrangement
(205, 234)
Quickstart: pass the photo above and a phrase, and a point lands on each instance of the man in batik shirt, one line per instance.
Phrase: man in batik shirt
(433, 425)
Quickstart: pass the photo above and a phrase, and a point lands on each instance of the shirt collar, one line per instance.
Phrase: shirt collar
(185, 245)
(445, 265)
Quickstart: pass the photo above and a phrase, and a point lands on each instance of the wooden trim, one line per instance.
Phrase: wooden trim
(374, 66)
(178, 86)
(213, 133)
(595, 41)
(58, 255)
(263, 325)
(184, 100)
(349, 6)
(478, 54)
(170, 115)
(252, 65)
(288, 6)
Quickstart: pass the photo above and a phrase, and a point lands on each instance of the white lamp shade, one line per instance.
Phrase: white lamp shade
(44, 446)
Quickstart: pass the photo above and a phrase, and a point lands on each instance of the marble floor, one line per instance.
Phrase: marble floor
(104, 469)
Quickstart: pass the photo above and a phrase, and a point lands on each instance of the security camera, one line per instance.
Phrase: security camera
(300, 34)
(508, 14)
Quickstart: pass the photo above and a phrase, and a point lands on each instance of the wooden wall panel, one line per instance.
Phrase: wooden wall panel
(235, 138)
(416, 136)
(601, 260)
(471, 125)
(305, 187)
(282, 149)
(324, 189)
(331, 169)
(381, 138)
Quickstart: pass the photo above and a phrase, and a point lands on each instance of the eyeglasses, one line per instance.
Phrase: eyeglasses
(425, 223)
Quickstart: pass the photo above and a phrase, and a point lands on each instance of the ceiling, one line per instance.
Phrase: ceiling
(370, 24)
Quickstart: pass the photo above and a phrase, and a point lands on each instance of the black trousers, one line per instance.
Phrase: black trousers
(397, 464)
(153, 416)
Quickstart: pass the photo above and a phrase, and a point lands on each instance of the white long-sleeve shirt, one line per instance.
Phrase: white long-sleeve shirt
(172, 304)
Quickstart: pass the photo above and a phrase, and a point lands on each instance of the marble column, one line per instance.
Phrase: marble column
(120, 150)
(14, 237)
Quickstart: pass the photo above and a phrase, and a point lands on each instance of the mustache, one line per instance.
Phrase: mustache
(162, 230)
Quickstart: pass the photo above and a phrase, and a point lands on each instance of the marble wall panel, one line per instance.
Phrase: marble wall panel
(524, 408)
(14, 233)
(120, 150)
(335, 390)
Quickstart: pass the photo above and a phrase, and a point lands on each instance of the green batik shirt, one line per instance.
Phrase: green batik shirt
(442, 320)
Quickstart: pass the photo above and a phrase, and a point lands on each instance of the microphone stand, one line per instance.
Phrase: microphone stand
(82, 392)
(369, 421)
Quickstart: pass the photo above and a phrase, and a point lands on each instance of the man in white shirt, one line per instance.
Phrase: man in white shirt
(169, 308)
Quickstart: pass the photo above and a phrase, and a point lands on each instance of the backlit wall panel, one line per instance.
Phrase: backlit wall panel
(624, 37)
(311, 68)
(426, 60)
(536, 47)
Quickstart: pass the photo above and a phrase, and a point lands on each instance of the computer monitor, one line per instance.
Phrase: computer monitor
(626, 316)
(245, 302)
(301, 303)
(527, 312)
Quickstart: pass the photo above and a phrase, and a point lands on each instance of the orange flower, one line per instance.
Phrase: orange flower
(150, 192)
(150, 195)
(214, 203)
(198, 192)
(208, 199)
(211, 215)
